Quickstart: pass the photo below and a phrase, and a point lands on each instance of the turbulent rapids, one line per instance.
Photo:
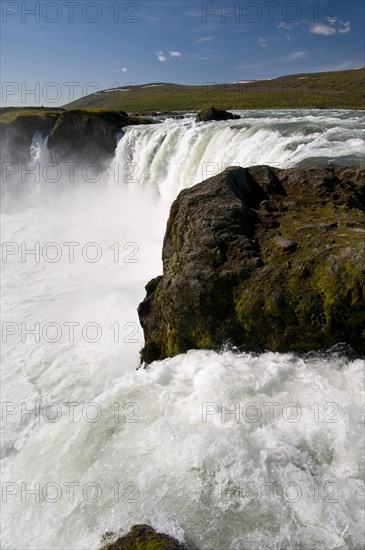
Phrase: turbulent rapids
(178, 154)
(228, 450)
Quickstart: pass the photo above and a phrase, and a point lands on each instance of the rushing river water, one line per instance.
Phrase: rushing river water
(229, 451)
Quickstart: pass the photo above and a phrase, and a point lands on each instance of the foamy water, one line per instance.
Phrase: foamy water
(228, 451)
(181, 153)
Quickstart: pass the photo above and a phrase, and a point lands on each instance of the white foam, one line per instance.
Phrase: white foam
(276, 138)
(226, 485)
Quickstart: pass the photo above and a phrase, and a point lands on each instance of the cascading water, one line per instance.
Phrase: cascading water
(118, 136)
(179, 153)
(22, 183)
(231, 451)
(38, 149)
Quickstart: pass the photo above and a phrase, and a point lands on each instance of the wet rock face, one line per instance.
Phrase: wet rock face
(85, 135)
(76, 135)
(16, 137)
(215, 114)
(264, 258)
(144, 537)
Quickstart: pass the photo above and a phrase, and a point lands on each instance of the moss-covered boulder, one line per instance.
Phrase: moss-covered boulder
(263, 258)
(144, 537)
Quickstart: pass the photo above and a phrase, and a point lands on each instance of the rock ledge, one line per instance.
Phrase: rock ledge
(264, 258)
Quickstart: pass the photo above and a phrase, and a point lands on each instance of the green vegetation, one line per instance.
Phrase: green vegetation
(144, 537)
(10, 114)
(332, 90)
(339, 89)
(265, 258)
(316, 290)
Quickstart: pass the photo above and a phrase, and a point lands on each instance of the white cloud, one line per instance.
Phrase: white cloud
(297, 55)
(172, 53)
(321, 28)
(262, 42)
(346, 27)
(161, 56)
(122, 70)
(329, 28)
(285, 25)
(204, 39)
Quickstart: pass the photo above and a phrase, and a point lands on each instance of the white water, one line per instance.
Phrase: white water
(180, 153)
(38, 148)
(258, 483)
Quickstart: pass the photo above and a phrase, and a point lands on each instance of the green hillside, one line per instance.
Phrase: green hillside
(340, 89)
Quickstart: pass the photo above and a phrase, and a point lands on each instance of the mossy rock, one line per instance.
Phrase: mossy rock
(215, 114)
(265, 258)
(144, 537)
(82, 135)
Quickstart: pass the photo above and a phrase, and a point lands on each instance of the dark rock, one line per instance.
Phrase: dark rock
(85, 135)
(226, 272)
(146, 113)
(80, 135)
(16, 136)
(144, 537)
(215, 114)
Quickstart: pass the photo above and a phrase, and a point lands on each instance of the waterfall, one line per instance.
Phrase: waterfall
(38, 149)
(179, 153)
(93, 444)
(118, 136)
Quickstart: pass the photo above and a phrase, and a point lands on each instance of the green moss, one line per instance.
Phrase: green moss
(304, 298)
(144, 537)
(297, 300)
(10, 114)
(299, 313)
(343, 298)
(172, 341)
(282, 296)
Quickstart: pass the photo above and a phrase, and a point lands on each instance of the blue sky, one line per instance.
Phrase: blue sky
(63, 49)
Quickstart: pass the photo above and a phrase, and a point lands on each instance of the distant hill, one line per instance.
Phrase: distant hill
(338, 89)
